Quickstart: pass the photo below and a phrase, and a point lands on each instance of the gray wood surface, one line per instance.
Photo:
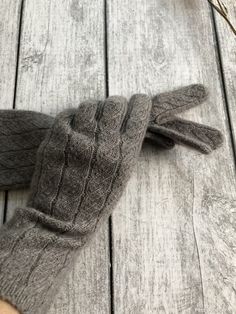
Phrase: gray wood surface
(175, 227)
(173, 233)
(227, 49)
(9, 30)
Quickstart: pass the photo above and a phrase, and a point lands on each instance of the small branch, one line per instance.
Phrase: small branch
(222, 7)
(222, 10)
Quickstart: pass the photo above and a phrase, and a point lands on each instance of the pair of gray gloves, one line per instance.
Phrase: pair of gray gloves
(80, 163)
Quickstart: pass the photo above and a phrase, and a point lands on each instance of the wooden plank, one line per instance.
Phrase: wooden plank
(61, 63)
(227, 52)
(227, 46)
(174, 230)
(9, 27)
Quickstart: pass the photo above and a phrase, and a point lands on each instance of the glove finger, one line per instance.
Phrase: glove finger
(114, 113)
(136, 124)
(105, 165)
(78, 153)
(66, 127)
(112, 172)
(200, 137)
(50, 162)
(165, 105)
(106, 127)
(85, 118)
(212, 137)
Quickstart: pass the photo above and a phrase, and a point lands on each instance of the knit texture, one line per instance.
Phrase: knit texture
(164, 122)
(21, 133)
(81, 170)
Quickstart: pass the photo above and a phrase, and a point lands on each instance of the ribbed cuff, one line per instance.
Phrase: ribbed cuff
(33, 263)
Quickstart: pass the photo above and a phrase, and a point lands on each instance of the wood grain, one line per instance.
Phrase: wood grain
(227, 49)
(9, 30)
(174, 230)
(61, 63)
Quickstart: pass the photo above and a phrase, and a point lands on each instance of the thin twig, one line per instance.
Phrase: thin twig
(222, 7)
(222, 10)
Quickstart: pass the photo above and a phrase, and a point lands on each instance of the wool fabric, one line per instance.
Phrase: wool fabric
(82, 167)
(21, 133)
(84, 160)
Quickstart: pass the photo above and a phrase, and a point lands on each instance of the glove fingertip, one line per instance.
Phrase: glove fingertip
(218, 139)
(199, 92)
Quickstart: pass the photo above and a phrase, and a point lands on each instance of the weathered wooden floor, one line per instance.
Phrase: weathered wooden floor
(170, 246)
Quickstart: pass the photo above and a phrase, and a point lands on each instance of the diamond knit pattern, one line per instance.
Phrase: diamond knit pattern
(81, 170)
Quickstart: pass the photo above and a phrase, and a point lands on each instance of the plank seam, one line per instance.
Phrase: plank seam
(18, 50)
(111, 267)
(106, 48)
(222, 82)
(110, 238)
(5, 206)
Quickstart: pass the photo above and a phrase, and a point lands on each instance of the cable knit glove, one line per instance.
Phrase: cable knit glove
(21, 132)
(81, 170)
(164, 122)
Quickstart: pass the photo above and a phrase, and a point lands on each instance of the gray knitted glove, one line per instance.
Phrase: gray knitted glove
(164, 122)
(81, 170)
(21, 132)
